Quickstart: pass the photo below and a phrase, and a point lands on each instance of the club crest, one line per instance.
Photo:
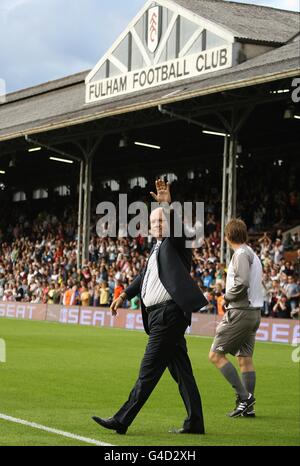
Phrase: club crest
(154, 28)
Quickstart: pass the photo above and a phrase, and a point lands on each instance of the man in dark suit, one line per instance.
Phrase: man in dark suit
(168, 296)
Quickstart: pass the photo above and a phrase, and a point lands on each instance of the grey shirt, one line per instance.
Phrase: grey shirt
(244, 280)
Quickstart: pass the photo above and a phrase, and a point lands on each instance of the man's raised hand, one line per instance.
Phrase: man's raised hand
(163, 194)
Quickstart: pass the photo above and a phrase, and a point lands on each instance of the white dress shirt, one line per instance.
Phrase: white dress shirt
(153, 291)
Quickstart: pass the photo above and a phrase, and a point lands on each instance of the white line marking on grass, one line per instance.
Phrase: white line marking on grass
(54, 431)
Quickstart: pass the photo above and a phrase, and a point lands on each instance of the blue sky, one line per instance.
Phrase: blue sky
(41, 40)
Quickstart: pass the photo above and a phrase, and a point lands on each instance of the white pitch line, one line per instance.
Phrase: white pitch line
(54, 431)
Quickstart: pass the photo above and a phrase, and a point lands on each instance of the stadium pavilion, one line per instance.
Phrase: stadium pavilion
(191, 88)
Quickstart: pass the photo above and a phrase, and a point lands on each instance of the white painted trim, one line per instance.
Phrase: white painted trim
(117, 42)
(190, 42)
(62, 433)
(165, 39)
(140, 46)
(115, 61)
(177, 9)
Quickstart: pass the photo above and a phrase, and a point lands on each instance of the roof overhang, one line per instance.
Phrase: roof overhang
(215, 83)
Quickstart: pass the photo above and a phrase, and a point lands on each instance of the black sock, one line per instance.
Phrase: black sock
(249, 381)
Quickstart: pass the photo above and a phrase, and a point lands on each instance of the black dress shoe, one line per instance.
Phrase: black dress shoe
(183, 430)
(111, 424)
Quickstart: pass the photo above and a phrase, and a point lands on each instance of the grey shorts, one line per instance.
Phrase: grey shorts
(236, 332)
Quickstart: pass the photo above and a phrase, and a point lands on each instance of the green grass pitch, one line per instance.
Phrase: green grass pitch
(60, 375)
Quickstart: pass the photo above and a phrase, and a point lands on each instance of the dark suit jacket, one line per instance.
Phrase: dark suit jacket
(174, 266)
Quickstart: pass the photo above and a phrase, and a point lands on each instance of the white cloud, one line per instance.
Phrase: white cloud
(283, 4)
(41, 40)
(48, 39)
(290, 4)
(9, 5)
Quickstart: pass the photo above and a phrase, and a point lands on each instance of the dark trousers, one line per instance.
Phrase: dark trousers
(166, 348)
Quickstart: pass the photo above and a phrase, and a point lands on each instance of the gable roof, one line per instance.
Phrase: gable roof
(173, 8)
(62, 103)
(245, 21)
(230, 20)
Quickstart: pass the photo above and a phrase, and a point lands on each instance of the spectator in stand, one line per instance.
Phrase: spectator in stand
(57, 294)
(265, 245)
(211, 225)
(75, 298)
(50, 293)
(274, 275)
(135, 303)
(86, 273)
(8, 296)
(67, 297)
(96, 296)
(275, 292)
(288, 269)
(104, 295)
(119, 288)
(282, 308)
(267, 286)
(35, 298)
(219, 275)
(38, 254)
(266, 260)
(288, 243)
(85, 297)
(277, 251)
(292, 290)
(220, 303)
(207, 279)
(212, 303)
(21, 291)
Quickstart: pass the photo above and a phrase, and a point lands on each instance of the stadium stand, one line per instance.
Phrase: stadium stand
(38, 250)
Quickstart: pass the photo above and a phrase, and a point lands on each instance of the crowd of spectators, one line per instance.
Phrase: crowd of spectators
(38, 264)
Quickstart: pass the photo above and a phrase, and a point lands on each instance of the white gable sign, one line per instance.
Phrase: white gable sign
(163, 45)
